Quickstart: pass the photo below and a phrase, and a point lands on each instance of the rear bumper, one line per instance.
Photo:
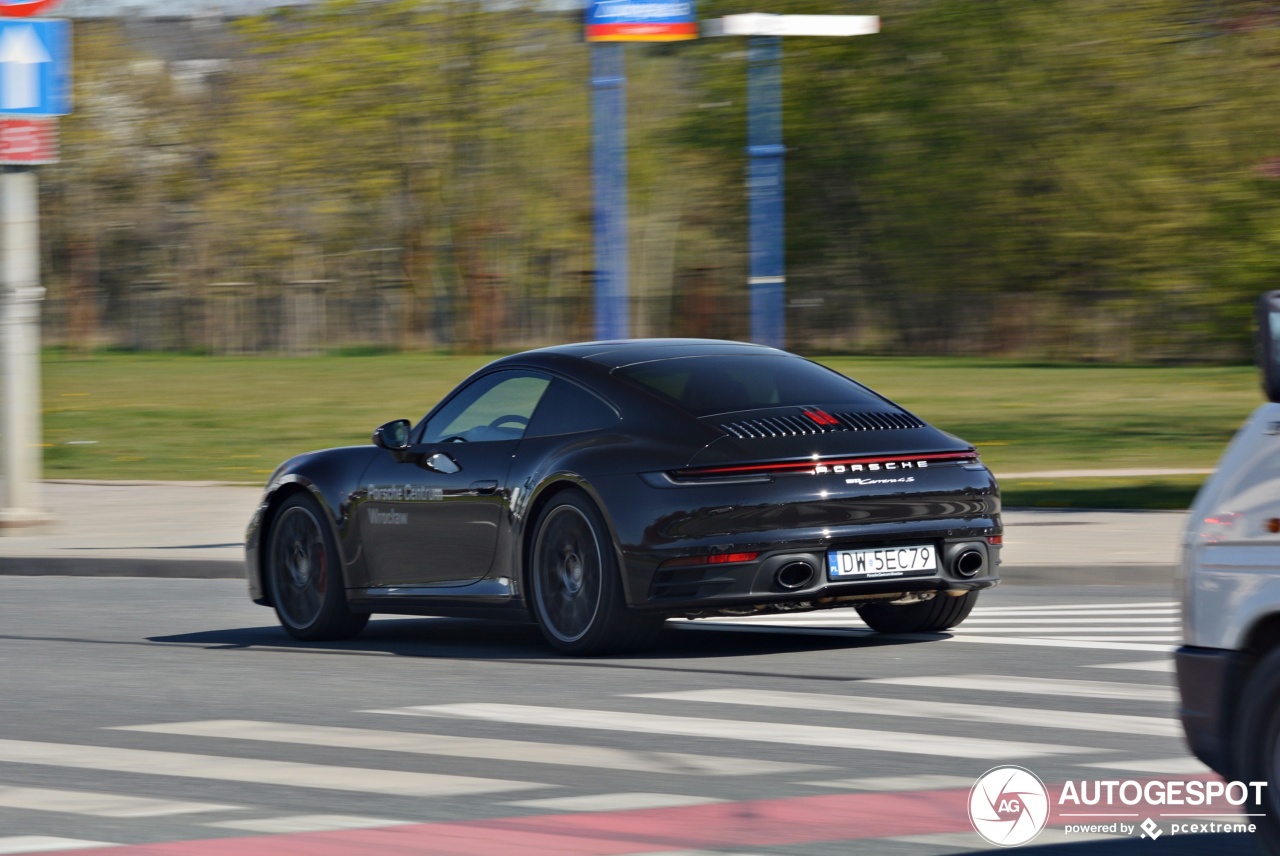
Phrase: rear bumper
(662, 524)
(1206, 684)
(797, 577)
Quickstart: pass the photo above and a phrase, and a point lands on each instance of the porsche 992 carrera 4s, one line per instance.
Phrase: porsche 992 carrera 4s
(601, 488)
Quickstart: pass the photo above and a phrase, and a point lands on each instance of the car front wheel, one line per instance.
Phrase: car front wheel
(1256, 746)
(304, 573)
(576, 584)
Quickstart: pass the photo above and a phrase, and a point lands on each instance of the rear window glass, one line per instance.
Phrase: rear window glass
(707, 385)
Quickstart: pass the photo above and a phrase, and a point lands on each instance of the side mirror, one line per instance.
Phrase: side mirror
(1269, 343)
(393, 436)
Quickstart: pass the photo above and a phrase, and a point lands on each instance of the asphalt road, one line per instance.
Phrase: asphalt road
(134, 712)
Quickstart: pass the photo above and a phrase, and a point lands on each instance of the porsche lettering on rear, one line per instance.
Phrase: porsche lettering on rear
(857, 468)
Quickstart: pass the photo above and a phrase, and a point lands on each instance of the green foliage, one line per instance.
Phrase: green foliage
(234, 418)
(1037, 417)
(1169, 494)
(1078, 179)
(1069, 179)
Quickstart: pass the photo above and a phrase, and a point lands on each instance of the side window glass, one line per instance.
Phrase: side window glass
(495, 407)
(568, 409)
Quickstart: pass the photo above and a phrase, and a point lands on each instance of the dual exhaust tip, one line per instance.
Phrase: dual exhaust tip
(968, 564)
(796, 575)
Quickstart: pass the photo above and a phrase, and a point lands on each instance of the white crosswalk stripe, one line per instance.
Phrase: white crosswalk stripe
(733, 729)
(1173, 766)
(306, 823)
(1142, 624)
(1092, 643)
(100, 804)
(932, 709)
(46, 844)
(881, 784)
(253, 770)
(524, 751)
(1165, 665)
(614, 802)
(1036, 686)
(921, 725)
(1124, 606)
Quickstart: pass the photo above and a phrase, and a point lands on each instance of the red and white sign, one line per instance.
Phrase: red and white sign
(28, 141)
(25, 8)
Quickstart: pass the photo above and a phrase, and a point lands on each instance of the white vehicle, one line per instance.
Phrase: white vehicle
(1229, 664)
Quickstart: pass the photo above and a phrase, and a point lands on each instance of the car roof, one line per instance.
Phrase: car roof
(624, 352)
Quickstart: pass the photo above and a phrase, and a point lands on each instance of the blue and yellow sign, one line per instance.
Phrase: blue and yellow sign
(641, 21)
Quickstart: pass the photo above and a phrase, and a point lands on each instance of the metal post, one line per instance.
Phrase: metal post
(765, 151)
(609, 117)
(20, 296)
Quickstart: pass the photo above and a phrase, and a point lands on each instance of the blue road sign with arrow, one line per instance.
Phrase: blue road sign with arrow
(35, 66)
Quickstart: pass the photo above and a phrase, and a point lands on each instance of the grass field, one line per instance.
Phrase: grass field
(127, 416)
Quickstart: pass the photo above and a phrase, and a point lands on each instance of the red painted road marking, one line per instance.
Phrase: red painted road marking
(790, 820)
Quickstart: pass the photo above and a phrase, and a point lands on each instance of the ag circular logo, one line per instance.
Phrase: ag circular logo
(1009, 806)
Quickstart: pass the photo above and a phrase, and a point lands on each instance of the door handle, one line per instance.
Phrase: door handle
(485, 486)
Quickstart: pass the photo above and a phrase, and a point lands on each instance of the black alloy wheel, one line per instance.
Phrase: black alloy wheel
(576, 585)
(304, 573)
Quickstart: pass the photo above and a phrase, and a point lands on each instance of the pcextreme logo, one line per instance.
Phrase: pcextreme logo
(1009, 806)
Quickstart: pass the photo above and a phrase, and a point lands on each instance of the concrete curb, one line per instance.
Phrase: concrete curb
(98, 566)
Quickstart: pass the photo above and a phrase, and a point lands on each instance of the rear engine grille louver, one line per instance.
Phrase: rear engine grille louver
(795, 426)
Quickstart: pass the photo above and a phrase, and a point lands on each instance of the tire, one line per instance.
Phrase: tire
(925, 616)
(576, 585)
(1256, 747)
(304, 574)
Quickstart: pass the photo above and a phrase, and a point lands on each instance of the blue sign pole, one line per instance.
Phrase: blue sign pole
(609, 150)
(766, 274)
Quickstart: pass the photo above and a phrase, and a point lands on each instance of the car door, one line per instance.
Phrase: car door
(433, 516)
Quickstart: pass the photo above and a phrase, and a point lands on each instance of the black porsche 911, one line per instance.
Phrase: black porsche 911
(601, 488)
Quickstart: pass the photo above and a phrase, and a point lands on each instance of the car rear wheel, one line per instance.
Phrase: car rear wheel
(305, 575)
(1256, 747)
(940, 612)
(576, 584)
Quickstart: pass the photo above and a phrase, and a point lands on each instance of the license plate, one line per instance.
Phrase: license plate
(879, 562)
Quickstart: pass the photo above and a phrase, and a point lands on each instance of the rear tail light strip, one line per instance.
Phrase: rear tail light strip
(922, 461)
